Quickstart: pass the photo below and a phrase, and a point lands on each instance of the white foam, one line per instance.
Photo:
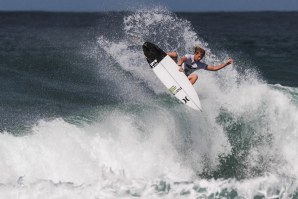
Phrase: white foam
(59, 151)
(143, 153)
(269, 115)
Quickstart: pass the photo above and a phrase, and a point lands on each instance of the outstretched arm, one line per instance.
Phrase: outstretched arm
(218, 67)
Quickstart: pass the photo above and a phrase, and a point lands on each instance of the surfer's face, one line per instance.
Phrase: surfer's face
(197, 56)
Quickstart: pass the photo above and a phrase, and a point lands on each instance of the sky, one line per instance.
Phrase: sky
(174, 5)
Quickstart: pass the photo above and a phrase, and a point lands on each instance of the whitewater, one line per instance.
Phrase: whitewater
(147, 144)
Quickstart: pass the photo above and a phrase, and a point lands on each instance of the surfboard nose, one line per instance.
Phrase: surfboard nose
(149, 50)
(146, 49)
(152, 52)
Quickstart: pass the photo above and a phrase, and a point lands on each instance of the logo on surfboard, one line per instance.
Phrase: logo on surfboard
(154, 63)
(174, 90)
(185, 99)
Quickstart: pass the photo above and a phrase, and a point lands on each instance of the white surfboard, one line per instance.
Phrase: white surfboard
(167, 71)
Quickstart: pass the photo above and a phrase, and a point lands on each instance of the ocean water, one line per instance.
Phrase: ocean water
(83, 116)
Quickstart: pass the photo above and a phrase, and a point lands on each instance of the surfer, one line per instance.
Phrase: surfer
(192, 62)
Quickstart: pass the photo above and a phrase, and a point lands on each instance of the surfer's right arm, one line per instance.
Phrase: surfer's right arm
(180, 62)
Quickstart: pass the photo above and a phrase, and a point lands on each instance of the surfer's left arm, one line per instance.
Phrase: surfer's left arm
(218, 67)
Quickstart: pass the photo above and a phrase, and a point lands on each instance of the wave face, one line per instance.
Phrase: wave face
(99, 124)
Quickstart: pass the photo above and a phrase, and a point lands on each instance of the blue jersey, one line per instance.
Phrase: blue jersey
(190, 65)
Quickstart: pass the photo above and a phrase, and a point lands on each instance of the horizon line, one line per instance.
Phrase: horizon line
(106, 11)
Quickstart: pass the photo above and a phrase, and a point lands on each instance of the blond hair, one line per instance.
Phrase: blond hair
(199, 49)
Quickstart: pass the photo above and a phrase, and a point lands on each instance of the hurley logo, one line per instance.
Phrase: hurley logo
(185, 99)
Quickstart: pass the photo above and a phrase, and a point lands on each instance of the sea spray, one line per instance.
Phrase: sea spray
(241, 107)
(139, 141)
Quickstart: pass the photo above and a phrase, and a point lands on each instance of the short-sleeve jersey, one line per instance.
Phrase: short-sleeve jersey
(190, 65)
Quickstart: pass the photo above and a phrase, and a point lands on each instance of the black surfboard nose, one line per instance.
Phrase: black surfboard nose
(149, 50)
(146, 44)
(152, 52)
(146, 49)
(149, 45)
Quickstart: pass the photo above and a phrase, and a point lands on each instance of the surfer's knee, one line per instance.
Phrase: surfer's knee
(193, 78)
(173, 55)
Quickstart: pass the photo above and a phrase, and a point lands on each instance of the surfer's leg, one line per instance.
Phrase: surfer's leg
(193, 78)
(173, 55)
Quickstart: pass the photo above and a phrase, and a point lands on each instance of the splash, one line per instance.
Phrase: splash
(150, 146)
(248, 121)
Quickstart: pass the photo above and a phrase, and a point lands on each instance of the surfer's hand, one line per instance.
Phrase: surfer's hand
(229, 61)
(181, 69)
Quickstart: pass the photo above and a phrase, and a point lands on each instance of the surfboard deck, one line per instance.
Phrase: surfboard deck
(167, 71)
